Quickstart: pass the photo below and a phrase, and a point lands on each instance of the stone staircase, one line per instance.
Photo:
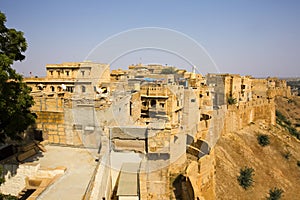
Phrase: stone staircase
(24, 179)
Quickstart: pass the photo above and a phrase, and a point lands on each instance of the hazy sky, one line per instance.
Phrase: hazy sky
(257, 37)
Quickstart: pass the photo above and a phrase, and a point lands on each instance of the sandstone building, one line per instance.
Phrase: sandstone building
(70, 77)
(165, 119)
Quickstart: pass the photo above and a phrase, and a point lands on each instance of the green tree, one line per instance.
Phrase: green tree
(15, 99)
(275, 194)
(245, 178)
(263, 140)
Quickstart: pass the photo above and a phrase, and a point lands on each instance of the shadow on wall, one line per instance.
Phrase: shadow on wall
(183, 188)
(197, 148)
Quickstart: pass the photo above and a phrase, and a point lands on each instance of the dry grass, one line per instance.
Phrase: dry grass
(236, 150)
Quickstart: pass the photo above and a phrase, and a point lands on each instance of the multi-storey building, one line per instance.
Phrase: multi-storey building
(82, 78)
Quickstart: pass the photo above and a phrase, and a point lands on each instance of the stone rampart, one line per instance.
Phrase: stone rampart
(241, 115)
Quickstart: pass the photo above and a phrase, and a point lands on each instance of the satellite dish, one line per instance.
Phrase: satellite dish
(63, 86)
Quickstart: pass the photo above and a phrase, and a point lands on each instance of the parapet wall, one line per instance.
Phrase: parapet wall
(239, 116)
(286, 92)
(54, 104)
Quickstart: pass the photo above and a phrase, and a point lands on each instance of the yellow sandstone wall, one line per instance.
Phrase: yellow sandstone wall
(50, 118)
(52, 125)
(135, 106)
(242, 115)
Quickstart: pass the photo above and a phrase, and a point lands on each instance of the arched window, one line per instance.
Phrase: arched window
(52, 88)
(153, 103)
(83, 89)
(40, 86)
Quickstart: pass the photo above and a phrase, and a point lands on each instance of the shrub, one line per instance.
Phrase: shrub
(291, 101)
(231, 100)
(293, 132)
(263, 140)
(7, 197)
(280, 116)
(275, 194)
(287, 155)
(245, 178)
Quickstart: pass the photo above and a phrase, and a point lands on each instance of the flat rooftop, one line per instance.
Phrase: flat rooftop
(80, 164)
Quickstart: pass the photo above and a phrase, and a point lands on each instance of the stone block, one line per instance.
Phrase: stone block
(39, 125)
(50, 126)
(52, 132)
(62, 140)
(60, 120)
(61, 125)
(61, 130)
(55, 139)
(51, 120)
(61, 134)
(26, 155)
(50, 138)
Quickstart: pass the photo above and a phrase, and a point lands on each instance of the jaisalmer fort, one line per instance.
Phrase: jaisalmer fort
(150, 100)
(155, 132)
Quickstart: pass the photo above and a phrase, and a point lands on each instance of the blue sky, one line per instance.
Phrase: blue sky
(257, 37)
